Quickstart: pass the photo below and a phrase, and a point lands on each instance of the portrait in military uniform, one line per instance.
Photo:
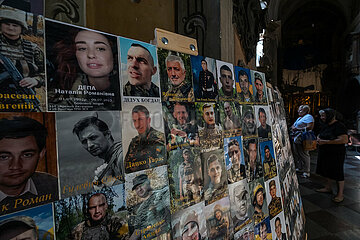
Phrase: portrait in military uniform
(263, 121)
(263, 230)
(234, 159)
(28, 166)
(22, 66)
(273, 197)
(204, 78)
(189, 223)
(254, 169)
(181, 128)
(278, 225)
(258, 200)
(31, 224)
(139, 71)
(210, 130)
(148, 203)
(95, 215)
(226, 82)
(82, 70)
(218, 220)
(144, 140)
(230, 118)
(245, 233)
(93, 141)
(248, 121)
(215, 177)
(244, 85)
(241, 210)
(259, 87)
(268, 160)
(175, 76)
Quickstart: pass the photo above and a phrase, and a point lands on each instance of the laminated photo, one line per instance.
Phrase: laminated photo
(215, 177)
(96, 215)
(246, 233)
(175, 76)
(225, 73)
(248, 128)
(263, 121)
(259, 87)
(22, 61)
(263, 230)
(268, 160)
(185, 177)
(82, 70)
(204, 78)
(234, 159)
(148, 202)
(143, 137)
(33, 223)
(244, 85)
(253, 164)
(28, 169)
(230, 118)
(218, 220)
(273, 196)
(92, 140)
(210, 130)
(180, 125)
(189, 223)
(258, 198)
(241, 209)
(278, 227)
(139, 69)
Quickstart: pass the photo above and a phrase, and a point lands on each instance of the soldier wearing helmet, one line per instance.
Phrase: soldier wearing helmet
(258, 202)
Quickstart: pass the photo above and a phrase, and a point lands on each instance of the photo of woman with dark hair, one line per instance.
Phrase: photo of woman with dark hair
(82, 69)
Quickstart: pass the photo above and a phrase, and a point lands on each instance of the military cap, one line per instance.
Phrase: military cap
(187, 218)
(218, 208)
(186, 150)
(257, 189)
(240, 190)
(15, 15)
(139, 180)
(246, 109)
(272, 183)
(14, 226)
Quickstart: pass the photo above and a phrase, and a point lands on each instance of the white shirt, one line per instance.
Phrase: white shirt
(302, 122)
(29, 187)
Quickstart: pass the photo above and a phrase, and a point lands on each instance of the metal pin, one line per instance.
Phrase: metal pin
(165, 40)
(192, 47)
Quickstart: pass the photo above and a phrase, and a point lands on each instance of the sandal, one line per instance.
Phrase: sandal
(323, 190)
(338, 199)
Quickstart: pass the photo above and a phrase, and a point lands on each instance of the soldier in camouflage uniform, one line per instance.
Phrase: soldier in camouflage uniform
(217, 186)
(19, 227)
(99, 225)
(275, 204)
(152, 217)
(146, 150)
(245, 95)
(237, 170)
(227, 90)
(220, 230)
(258, 202)
(26, 56)
(180, 89)
(211, 134)
(260, 95)
(269, 164)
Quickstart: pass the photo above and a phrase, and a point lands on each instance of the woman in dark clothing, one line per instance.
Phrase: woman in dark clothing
(330, 164)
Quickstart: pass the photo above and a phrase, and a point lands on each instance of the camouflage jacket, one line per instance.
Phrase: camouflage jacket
(138, 91)
(275, 207)
(211, 138)
(182, 93)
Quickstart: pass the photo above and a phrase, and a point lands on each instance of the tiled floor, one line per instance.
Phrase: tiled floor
(326, 220)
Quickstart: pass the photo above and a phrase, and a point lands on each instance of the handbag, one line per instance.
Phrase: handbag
(309, 140)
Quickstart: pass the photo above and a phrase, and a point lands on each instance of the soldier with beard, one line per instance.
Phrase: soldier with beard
(248, 118)
(245, 95)
(269, 164)
(240, 206)
(258, 202)
(221, 228)
(237, 170)
(99, 225)
(254, 168)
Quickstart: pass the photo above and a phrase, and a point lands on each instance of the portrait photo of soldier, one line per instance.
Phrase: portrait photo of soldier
(264, 129)
(189, 223)
(248, 121)
(245, 233)
(218, 219)
(148, 201)
(147, 148)
(204, 78)
(253, 164)
(22, 65)
(275, 205)
(210, 131)
(278, 224)
(175, 76)
(225, 73)
(30, 224)
(234, 159)
(259, 87)
(241, 212)
(245, 91)
(268, 161)
(263, 230)
(82, 70)
(181, 129)
(230, 118)
(95, 215)
(139, 65)
(27, 171)
(93, 141)
(258, 197)
(215, 177)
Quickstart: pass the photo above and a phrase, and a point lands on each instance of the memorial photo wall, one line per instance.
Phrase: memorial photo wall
(131, 141)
